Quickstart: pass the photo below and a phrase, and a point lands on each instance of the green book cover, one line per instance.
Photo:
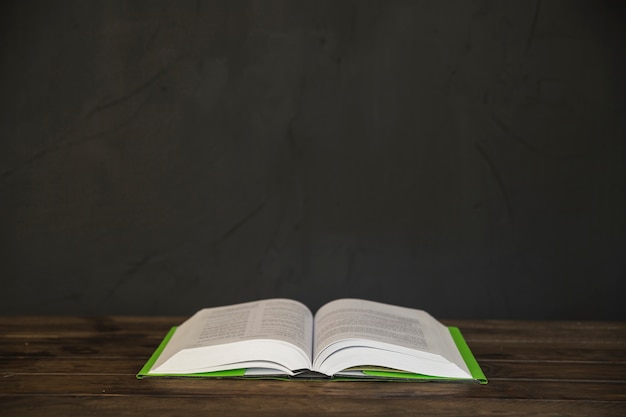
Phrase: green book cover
(371, 375)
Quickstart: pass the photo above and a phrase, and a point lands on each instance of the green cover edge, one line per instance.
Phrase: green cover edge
(466, 354)
(468, 357)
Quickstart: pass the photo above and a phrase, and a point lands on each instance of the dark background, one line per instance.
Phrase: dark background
(463, 157)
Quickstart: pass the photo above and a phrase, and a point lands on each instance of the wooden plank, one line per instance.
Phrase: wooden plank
(91, 346)
(87, 323)
(545, 352)
(52, 326)
(96, 385)
(548, 332)
(70, 366)
(507, 331)
(562, 369)
(86, 365)
(164, 322)
(277, 406)
(128, 336)
(552, 370)
(523, 326)
(486, 331)
(142, 346)
(88, 385)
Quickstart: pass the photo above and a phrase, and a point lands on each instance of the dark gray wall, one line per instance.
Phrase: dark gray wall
(463, 157)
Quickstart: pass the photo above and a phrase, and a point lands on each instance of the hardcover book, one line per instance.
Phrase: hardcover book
(346, 339)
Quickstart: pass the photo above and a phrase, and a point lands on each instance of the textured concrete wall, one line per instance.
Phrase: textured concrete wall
(462, 157)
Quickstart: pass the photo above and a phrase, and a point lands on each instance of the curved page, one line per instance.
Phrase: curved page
(219, 329)
(369, 324)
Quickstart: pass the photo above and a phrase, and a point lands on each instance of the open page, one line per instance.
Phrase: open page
(352, 332)
(274, 333)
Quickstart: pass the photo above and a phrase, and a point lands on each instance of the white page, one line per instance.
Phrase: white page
(276, 319)
(415, 332)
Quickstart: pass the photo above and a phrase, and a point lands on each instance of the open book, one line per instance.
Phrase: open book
(345, 339)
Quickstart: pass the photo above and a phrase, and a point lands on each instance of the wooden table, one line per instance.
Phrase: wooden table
(75, 366)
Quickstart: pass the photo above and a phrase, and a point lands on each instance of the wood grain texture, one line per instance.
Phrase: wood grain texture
(86, 366)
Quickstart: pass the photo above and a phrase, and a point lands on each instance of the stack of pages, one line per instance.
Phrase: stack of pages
(345, 339)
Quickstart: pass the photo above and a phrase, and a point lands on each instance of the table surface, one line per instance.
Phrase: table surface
(86, 366)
